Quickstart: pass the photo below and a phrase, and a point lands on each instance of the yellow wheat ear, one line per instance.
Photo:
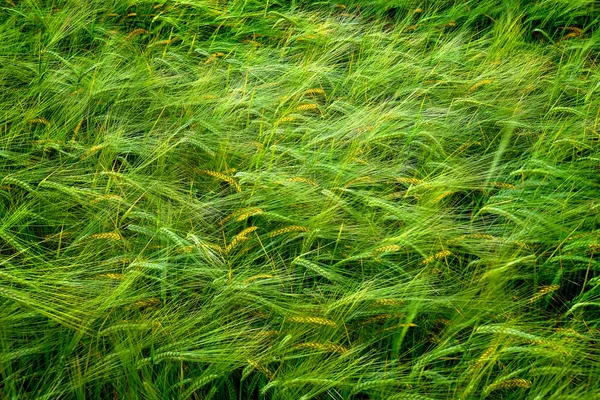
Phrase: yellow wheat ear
(331, 347)
(502, 185)
(42, 121)
(314, 91)
(256, 277)
(307, 106)
(107, 235)
(116, 277)
(436, 256)
(292, 228)
(249, 213)
(240, 237)
(388, 302)
(232, 182)
(285, 119)
(387, 249)
(507, 384)
(312, 320)
(543, 291)
(108, 197)
(153, 301)
(412, 181)
(261, 368)
(480, 84)
(136, 32)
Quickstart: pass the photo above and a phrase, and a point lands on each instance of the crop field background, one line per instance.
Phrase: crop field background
(245, 199)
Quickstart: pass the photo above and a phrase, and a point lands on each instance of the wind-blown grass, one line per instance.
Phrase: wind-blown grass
(299, 200)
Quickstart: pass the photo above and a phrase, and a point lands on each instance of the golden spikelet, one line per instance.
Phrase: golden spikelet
(186, 249)
(502, 185)
(267, 333)
(153, 301)
(48, 142)
(569, 332)
(361, 161)
(386, 249)
(331, 347)
(569, 36)
(593, 248)
(292, 228)
(232, 215)
(307, 106)
(360, 179)
(158, 6)
(509, 383)
(451, 23)
(314, 91)
(303, 180)
(307, 37)
(523, 244)
(107, 235)
(109, 197)
(213, 56)
(412, 181)
(480, 84)
(78, 127)
(442, 196)
(92, 150)
(240, 237)
(436, 256)
(312, 320)
(285, 119)
(136, 32)
(112, 15)
(165, 42)
(212, 246)
(116, 277)
(428, 260)
(476, 236)
(418, 10)
(543, 291)
(256, 277)
(364, 129)
(254, 42)
(388, 302)
(247, 231)
(485, 356)
(463, 147)
(42, 121)
(236, 240)
(574, 29)
(399, 326)
(249, 213)
(261, 368)
(553, 345)
(224, 178)
(578, 236)
(442, 254)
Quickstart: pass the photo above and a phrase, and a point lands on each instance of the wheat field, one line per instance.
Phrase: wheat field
(345, 200)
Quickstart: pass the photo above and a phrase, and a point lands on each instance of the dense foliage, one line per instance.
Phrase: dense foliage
(299, 200)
